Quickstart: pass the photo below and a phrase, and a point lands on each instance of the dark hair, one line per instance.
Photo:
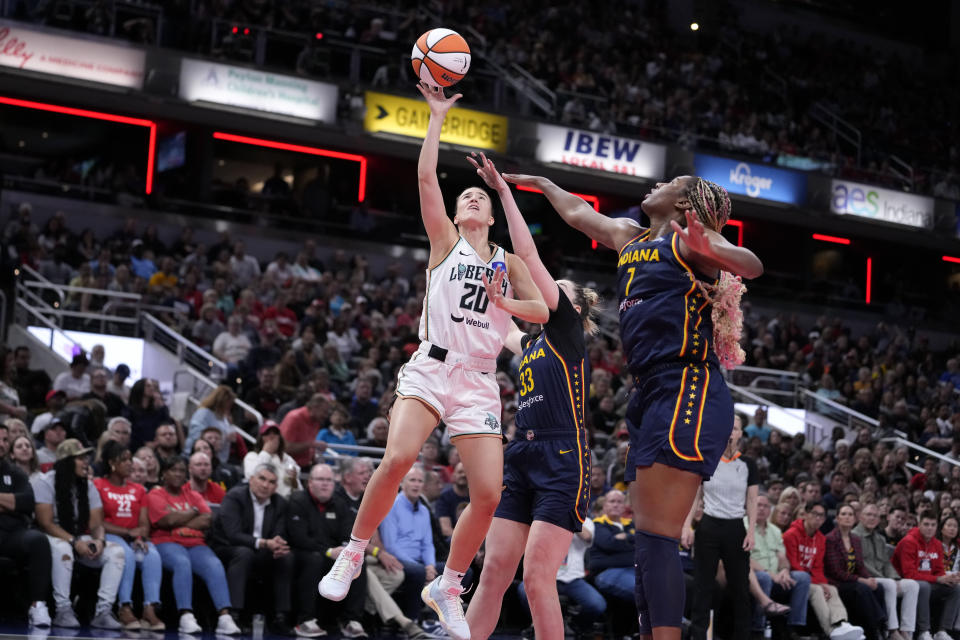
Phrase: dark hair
(66, 485)
(927, 515)
(168, 463)
(112, 450)
(943, 521)
(259, 446)
(809, 506)
(136, 393)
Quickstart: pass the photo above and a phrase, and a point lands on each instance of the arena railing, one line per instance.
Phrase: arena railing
(333, 450)
(784, 386)
(24, 311)
(186, 351)
(920, 452)
(844, 415)
(199, 386)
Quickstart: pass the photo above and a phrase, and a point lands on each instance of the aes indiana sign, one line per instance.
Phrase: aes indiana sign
(600, 151)
(79, 58)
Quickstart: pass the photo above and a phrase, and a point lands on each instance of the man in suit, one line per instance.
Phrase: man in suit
(249, 535)
(319, 525)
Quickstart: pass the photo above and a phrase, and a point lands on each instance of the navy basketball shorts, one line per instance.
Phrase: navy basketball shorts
(546, 476)
(680, 415)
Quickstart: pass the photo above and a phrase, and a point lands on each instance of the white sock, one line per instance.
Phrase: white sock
(356, 545)
(451, 578)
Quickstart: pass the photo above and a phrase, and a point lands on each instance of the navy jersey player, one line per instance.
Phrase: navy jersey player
(679, 311)
(465, 320)
(547, 466)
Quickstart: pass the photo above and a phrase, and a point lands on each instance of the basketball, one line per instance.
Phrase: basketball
(440, 57)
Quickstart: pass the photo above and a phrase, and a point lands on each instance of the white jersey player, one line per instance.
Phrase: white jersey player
(465, 320)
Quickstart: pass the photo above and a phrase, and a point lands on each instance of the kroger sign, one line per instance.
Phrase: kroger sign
(752, 180)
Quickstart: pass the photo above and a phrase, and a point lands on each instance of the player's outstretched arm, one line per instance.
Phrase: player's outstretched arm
(610, 232)
(523, 244)
(440, 230)
(529, 304)
(708, 248)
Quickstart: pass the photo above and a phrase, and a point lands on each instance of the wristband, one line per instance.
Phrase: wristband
(375, 552)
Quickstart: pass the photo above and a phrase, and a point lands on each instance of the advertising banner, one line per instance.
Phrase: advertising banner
(79, 58)
(886, 205)
(752, 179)
(202, 81)
(600, 151)
(409, 117)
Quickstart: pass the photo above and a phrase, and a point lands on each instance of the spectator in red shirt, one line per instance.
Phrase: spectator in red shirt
(283, 315)
(179, 518)
(301, 426)
(806, 548)
(199, 471)
(919, 556)
(126, 523)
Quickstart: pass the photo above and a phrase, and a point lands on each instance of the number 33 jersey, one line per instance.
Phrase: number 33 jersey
(457, 314)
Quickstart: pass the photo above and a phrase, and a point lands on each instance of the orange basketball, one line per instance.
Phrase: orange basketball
(440, 57)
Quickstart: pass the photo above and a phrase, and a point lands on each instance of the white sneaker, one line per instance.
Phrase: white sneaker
(39, 615)
(449, 609)
(924, 635)
(66, 619)
(309, 629)
(354, 629)
(335, 585)
(846, 631)
(942, 635)
(227, 626)
(188, 624)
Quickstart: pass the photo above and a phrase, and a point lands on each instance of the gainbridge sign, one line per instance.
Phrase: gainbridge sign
(408, 117)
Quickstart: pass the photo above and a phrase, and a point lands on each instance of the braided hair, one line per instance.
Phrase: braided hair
(711, 202)
(67, 484)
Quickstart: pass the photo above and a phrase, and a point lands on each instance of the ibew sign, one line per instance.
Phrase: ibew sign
(599, 151)
(752, 180)
(852, 198)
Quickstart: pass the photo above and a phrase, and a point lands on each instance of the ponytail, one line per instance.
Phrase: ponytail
(713, 207)
(588, 300)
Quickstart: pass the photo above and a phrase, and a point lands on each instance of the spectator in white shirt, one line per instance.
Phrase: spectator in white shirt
(76, 382)
(302, 270)
(232, 345)
(245, 268)
(52, 435)
(279, 272)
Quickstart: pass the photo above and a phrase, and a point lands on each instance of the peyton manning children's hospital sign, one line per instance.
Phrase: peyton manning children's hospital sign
(599, 151)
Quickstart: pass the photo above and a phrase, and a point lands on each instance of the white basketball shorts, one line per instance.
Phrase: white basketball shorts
(468, 401)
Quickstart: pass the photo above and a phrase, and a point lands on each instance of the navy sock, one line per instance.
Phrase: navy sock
(660, 591)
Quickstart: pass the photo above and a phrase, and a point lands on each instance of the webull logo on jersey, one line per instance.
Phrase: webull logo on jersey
(639, 255)
(475, 272)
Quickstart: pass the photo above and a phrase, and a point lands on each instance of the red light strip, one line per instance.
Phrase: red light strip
(833, 239)
(296, 148)
(594, 200)
(739, 225)
(951, 259)
(97, 115)
(869, 278)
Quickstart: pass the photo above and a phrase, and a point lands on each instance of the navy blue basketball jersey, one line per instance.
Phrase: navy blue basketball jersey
(664, 315)
(554, 374)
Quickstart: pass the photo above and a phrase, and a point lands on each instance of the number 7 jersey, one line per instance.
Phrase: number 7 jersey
(457, 315)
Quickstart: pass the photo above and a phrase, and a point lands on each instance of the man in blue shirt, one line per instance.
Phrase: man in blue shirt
(759, 427)
(406, 533)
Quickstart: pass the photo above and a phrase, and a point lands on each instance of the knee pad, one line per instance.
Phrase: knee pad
(659, 581)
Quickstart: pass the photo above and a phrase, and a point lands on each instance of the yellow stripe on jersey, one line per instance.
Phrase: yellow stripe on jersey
(639, 237)
(577, 419)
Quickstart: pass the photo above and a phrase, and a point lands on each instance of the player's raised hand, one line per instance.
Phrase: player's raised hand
(495, 288)
(523, 180)
(695, 235)
(438, 102)
(487, 171)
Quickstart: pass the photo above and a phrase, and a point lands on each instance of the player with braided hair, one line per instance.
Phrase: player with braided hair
(678, 284)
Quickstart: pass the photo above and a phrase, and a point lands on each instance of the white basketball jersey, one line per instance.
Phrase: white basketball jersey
(457, 315)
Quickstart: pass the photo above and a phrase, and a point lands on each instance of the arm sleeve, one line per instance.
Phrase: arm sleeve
(298, 528)
(790, 548)
(753, 476)
(389, 534)
(231, 521)
(427, 552)
(23, 501)
(42, 490)
(564, 329)
(156, 506)
(835, 562)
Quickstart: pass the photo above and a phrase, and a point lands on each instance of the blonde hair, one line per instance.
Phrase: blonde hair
(219, 400)
(712, 204)
(588, 300)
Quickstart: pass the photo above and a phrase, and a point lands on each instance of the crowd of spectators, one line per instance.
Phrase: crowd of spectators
(622, 68)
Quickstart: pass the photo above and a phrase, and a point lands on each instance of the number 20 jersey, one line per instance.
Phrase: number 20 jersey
(457, 315)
